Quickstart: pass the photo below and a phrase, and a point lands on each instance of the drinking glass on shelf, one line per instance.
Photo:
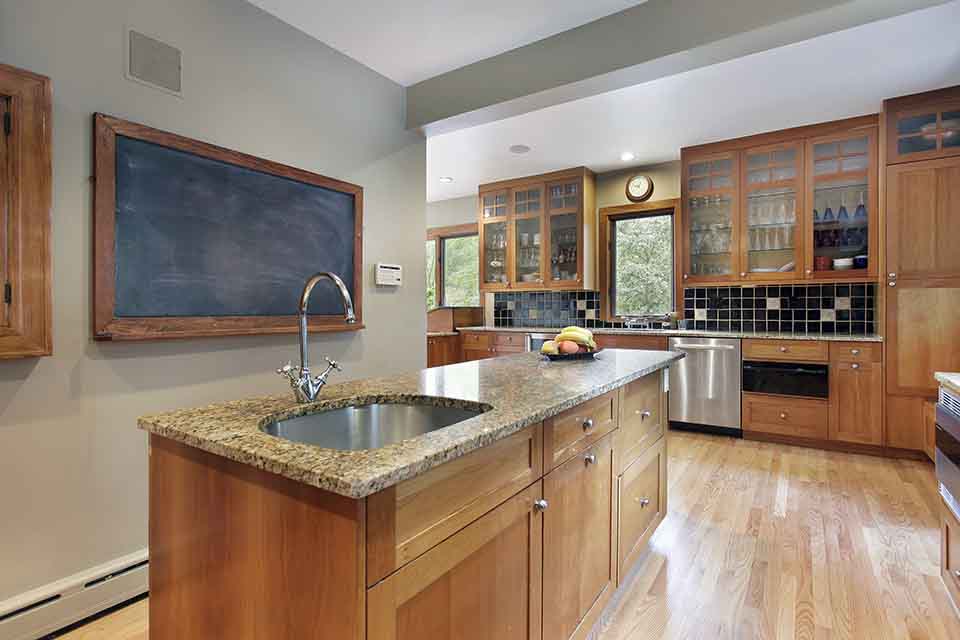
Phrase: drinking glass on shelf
(861, 211)
(781, 215)
(828, 214)
(842, 215)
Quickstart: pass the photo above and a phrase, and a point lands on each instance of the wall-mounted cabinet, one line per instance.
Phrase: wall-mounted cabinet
(787, 206)
(538, 232)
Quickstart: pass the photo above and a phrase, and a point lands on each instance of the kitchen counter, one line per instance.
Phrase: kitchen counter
(693, 333)
(950, 381)
(233, 429)
(442, 334)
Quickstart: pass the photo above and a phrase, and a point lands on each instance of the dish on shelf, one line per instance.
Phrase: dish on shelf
(842, 264)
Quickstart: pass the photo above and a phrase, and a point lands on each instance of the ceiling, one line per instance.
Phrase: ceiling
(839, 75)
(412, 40)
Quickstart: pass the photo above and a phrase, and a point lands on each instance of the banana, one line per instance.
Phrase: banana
(549, 348)
(586, 332)
(575, 336)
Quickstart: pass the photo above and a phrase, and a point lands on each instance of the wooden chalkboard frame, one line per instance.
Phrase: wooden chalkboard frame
(107, 326)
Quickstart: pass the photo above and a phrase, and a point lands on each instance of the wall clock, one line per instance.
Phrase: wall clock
(639, 188)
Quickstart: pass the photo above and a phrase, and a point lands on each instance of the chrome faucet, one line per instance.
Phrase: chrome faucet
(305, 387)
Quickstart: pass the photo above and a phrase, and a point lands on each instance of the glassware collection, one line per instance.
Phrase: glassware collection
(495, 253)
(563, 258)
(711, 234)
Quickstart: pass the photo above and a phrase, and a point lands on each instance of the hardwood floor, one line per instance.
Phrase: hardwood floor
(767, 541)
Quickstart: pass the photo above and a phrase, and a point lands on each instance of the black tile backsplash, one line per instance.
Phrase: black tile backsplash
(832, 309)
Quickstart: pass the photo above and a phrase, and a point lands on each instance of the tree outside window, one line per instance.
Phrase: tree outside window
(642, 265)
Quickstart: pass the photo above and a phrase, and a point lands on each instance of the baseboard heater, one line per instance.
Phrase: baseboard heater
(36, 613)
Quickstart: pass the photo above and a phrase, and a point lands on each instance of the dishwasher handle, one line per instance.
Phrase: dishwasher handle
(704, 347)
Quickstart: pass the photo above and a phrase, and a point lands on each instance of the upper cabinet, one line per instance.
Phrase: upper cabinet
(537, 232)
(25, 200)
(923, 127)
(792, 205)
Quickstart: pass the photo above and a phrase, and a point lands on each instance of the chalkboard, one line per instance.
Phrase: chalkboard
(207, 241)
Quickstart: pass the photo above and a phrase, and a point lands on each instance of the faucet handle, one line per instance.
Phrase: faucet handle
(288, 370)
(333, 364)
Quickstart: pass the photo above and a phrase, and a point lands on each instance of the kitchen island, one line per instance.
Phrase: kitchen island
(518, 522)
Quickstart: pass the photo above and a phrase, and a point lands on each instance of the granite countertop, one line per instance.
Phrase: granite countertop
(232, 429)
(693, 333)
(441, 334)
(949, 381)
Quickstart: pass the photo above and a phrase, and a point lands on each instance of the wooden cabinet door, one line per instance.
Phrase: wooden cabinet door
(930, 428)
(950, 552)
(923, 335)
(923, 220)
(578, 566)
(710, 189)
(643, 409)
(856, 398)
(483, 582)
(642, 500)
(923, 126)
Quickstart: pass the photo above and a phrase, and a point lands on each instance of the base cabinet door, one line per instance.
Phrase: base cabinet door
(643, 409)
(483, 582)
(642, 500)
(950, 552)
(578, 572)
(856, 398)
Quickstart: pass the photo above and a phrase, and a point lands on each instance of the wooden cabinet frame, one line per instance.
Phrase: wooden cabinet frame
(923, 103)
(25, 201)
(733, 192)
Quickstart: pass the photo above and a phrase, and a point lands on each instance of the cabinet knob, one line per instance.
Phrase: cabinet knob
(809, 272)
(588, 424)
(892, 283)
(645, 414)
(855, 352)
(590, 458)
(644, 502)
(784, 349)
(540, 505)
(892, 275)
(783, 415)
(956, 574)
(685, 276)
(855, 366)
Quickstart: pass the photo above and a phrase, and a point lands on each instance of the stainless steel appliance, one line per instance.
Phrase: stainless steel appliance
(536, 340)
(947, 455)
(705, 385)
(786, 379)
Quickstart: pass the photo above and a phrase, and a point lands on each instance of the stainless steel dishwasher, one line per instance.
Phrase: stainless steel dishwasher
(705, 385)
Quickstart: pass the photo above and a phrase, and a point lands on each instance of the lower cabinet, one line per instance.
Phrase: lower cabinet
(443, 350)
(643, 415)
(483, 582)
(642, 504)
(785, 416)
(950, 552)
(578, 572)
(856, 401)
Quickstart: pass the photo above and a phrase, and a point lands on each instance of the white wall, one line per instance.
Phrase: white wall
(73, 490)
(446, 213)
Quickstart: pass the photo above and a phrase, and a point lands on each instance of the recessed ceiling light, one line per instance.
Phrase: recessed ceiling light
(446, 179)
(627, 156)
(519, 148)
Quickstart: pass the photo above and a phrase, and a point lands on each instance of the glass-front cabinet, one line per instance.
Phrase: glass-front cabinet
(841, 177)
(534, 231)
(801, 206)
(712, 212)
(772, 237)
(923, 132)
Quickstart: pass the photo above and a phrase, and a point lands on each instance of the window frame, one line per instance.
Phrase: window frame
(438, 235)
(610, 215)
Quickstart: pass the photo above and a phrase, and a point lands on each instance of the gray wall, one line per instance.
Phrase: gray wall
(73, 488)
(445, 213)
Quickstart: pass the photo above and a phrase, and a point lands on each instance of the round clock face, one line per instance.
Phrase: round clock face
(639, 188)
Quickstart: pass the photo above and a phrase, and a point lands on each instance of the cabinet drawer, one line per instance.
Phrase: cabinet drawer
(572, 431)
(950, 552)
(856, 352)
(785, 416)
(785, 350)
(642, 409)
(409, 518)
(642, 498)
(511, 340)
(478, 354)
(476, 340)
(619, 341)
(501, 350)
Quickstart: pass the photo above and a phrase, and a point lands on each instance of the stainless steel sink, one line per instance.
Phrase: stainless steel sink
(370, 425)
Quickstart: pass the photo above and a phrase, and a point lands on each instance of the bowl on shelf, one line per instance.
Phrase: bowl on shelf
(822, 263)
(860, 262)
(842, 264)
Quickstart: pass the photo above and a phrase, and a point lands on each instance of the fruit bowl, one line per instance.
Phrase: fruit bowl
(582, 355)
(572, 343)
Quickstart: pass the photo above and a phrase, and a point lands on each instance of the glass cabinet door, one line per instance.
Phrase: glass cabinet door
(528, 236)
(925, 133)
(844, 199)
(772, 236)
(493, 255)
(564, 233)
(493, 204)
(711, 201)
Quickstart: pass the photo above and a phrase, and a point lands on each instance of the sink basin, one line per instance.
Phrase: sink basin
(371, 425)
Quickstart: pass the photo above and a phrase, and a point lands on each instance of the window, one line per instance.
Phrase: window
(639, 259)
(453, 266)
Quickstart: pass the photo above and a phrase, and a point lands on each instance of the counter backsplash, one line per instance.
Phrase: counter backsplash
(833, 309)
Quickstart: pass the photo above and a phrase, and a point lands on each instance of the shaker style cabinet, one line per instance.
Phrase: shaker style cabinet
(786, 206)
(538, 232)
(923, 126)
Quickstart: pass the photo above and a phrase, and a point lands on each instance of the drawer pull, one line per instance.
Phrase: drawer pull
(855, 366)
(540, 505)
(588, 424)
(645, 414)
(783, 415)
(956, 574)
(644, 502)
(784, 349)
(855, 352)
(590, 458)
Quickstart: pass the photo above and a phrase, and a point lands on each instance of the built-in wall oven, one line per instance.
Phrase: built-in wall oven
(948, 449)
(786, 379)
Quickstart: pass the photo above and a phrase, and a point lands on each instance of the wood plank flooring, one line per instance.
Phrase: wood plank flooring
(767, 541)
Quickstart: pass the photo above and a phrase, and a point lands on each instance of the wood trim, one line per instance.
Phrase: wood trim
(453, 231)
(604, 253)
(834, 445)
(26, 329)
(554, 176)
(107, 326)
(437, 235)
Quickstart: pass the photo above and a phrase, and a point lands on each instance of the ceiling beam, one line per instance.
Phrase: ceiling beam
(655, 39)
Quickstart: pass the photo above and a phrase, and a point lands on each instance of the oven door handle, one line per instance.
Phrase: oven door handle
(704, 347)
